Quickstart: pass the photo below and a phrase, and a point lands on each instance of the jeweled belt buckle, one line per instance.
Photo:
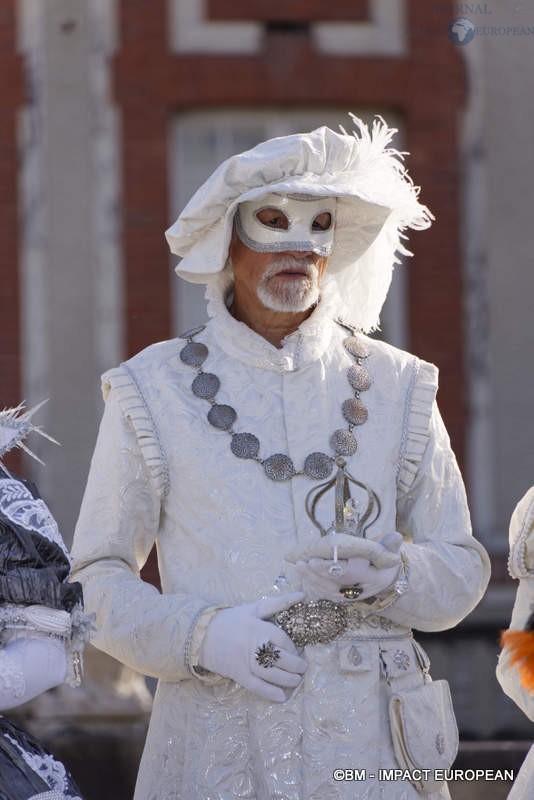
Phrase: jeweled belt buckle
(314, 622)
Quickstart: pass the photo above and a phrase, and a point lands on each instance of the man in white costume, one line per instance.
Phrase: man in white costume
(299, 484)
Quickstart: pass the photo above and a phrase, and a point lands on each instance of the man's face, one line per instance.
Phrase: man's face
(278, 250)
(285, 282)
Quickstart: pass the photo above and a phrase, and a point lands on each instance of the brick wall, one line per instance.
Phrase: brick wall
(12, 94)
(426, 87)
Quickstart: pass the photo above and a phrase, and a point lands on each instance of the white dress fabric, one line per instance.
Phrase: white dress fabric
(161, 473)
(521, 528)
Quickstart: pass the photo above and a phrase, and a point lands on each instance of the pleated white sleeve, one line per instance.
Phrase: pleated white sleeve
(117, 526)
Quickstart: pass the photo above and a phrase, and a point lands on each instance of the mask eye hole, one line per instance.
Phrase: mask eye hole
(322, 222)
(273, 218)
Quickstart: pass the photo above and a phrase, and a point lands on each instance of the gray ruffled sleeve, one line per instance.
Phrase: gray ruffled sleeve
(448, 570)
(133, 407)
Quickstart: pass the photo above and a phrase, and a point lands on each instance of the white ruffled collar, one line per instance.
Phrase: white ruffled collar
(299, 349)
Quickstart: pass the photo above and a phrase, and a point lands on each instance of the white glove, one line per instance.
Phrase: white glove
(322, 580)
(232, 640)
(28, 667)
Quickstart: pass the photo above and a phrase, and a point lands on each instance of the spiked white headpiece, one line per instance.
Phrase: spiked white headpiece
(15, 425)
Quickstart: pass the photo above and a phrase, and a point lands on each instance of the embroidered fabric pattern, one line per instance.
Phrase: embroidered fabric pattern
(11, 677)
(49, 770)
(20, 507)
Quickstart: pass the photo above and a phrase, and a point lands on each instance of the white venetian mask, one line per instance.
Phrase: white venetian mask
(275, 223)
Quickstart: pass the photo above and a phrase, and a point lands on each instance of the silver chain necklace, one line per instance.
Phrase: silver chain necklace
(279, 466)
(317, 465)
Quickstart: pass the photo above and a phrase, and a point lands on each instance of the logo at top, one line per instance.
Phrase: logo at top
(461, 31)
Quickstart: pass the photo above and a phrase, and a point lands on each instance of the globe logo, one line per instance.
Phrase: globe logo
(461, 31)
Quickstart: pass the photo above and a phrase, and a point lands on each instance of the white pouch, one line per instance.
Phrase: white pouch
(424, 732)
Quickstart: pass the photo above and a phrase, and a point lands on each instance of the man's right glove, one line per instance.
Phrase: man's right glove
(372, 573)
(240, 644)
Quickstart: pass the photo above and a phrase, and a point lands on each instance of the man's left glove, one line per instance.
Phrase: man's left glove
(353, 578)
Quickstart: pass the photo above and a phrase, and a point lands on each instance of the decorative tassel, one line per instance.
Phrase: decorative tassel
(520, 645)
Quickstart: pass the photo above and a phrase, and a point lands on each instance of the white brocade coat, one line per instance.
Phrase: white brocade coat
(161, 473)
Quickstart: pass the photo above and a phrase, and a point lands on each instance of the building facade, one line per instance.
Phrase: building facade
(113, 112)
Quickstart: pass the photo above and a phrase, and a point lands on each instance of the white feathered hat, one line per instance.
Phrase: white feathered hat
(376, 202)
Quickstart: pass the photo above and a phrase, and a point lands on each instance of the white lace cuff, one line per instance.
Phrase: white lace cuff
(389, 596)
(74, 629)
(198, 629)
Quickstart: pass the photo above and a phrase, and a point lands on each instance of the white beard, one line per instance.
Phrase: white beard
(289, 294)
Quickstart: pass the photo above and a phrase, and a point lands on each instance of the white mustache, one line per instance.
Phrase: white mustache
(289, 263)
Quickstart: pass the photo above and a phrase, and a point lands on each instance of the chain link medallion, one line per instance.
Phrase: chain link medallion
(279, 467)
(318, 466)
(355, 346)
(343, 442)
(206, 385)
(194, 354)
(354, 411)
(245, 445)
(359, 378)
(221, 416)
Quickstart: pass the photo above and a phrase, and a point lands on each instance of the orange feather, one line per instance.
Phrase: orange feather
(521, 647)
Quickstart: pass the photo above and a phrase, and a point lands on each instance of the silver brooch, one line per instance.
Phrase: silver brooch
(440, 743)
(314, 622)
(354, 656)
(401, 659)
